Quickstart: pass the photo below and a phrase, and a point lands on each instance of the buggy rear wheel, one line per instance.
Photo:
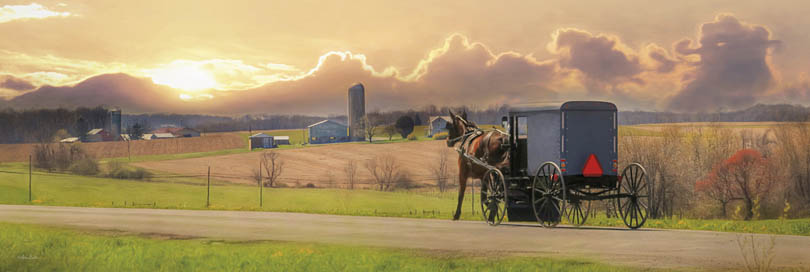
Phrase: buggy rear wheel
(548, 195)
(633, 201)
(578, 211)
(493, 197)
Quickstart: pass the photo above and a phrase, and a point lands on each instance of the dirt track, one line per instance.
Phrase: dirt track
(316, 164)
(644, 248)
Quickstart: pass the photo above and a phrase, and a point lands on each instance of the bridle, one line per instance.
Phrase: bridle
(469, 130)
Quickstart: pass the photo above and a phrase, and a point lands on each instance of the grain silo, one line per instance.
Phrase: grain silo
(115, 123)
(357, 112)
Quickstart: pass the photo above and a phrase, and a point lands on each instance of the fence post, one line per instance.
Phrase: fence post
(208, 194)
(472, 193)
(260, 184)
(30, 160)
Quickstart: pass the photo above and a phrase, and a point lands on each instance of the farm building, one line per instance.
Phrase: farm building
(147, 136)
(162, 136)
(261, 140)
(98, 135)
(281, 140)
(437, 124)
(70, 140)
(327, 131)
(178, 132)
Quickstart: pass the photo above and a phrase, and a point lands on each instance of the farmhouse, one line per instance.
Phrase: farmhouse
(261, 140)
(437, 124)
(281, 140)
(327, 131)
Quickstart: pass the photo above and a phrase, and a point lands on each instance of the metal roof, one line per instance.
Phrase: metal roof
(261, 135)
(281, 137)
(163, 135)
(325, 121)
(569, 105)
(95, 131)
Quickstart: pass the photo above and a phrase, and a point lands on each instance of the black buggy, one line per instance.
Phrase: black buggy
(563, 156)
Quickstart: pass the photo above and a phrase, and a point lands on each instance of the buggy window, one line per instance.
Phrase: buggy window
(522, 127)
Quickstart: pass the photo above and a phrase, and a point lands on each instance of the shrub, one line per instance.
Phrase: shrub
(440, 136)
(85, 166)
(117, 170)
(412, 137)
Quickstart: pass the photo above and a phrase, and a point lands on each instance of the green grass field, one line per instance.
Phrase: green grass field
(36, 248)
(189, 193)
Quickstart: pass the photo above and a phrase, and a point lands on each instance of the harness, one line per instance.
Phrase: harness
(466, 140)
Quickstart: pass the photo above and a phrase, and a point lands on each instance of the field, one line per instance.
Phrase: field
(320, 165)
(187, 193)
(206, 143)
(28, 247)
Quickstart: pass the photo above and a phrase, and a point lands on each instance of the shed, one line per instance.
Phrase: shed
(438, 124)
(328, 131)
(98, 135)
(281, 140)
(261, 140)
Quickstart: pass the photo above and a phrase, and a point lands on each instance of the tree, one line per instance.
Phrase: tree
(404, 126)
(370, 126)
(440, 170)
(746, 175)
(385, 171)
(136, 131)
(273, 165)
(351, 173)
(390, 131)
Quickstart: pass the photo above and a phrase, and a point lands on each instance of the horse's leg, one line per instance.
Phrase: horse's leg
(462, 187)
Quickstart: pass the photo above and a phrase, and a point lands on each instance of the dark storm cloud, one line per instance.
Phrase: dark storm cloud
(732, 71)
(13, 83)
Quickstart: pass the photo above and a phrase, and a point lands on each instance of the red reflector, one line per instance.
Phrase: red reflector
(592, 167)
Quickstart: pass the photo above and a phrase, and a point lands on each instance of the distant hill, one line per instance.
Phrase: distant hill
(757, 113)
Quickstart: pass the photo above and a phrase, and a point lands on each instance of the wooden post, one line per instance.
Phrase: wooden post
(260, 184)
(29, 177)
(208, 195)
(472, 193)
(129, 151)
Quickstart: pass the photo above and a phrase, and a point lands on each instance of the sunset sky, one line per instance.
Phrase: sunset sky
(300, 56)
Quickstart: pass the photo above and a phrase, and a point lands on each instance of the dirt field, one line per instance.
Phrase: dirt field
(212, 142)
(316, 164)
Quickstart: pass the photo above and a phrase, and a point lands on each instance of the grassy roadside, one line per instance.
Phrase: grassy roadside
(189, 193)
(29, 248)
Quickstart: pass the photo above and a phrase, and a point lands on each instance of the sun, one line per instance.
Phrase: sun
(184, 77)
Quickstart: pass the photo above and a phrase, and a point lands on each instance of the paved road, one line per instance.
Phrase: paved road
(646, 248)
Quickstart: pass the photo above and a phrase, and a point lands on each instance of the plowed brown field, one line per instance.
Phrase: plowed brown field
(317, 164)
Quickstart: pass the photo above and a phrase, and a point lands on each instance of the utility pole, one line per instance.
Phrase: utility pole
(208, 195)
(260, 184)
(29, 178)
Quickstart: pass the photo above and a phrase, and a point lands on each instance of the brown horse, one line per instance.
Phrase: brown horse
(488, 146)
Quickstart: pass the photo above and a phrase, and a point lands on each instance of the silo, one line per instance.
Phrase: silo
(115, 123)
(357, 111)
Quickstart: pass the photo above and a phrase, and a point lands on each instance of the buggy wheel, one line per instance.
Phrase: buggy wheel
(578, 211)
(548, 195)
(493, 197)
(633, 202)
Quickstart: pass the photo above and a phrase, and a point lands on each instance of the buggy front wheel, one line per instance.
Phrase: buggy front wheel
(493, 197)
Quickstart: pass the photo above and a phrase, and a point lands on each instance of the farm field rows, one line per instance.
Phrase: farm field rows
(29, 247)
(69, 190)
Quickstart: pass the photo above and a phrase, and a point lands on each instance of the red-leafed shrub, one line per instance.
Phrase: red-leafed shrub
(746, 176)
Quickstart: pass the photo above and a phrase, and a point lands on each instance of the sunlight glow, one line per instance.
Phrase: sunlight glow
(184, 77)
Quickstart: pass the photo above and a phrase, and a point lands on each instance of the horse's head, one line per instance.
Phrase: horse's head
(456, 128)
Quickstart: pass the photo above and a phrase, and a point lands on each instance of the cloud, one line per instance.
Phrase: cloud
(10, 13)
(16, 84)
(732, 70)
(603, 59)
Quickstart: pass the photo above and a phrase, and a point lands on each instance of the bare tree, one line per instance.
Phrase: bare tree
(370, 125)
(385, 171)
(390, 131)
(351, 173)
(794, 157)
(440, 170)
(273, 165)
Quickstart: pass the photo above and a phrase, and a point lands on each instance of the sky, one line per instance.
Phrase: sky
(301, 56)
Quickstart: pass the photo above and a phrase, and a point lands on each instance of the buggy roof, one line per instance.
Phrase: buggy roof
(570, 105)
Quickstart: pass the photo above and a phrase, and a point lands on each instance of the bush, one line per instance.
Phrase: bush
(86, 167)
(412, 137)
(440, 136)
(117, 170)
